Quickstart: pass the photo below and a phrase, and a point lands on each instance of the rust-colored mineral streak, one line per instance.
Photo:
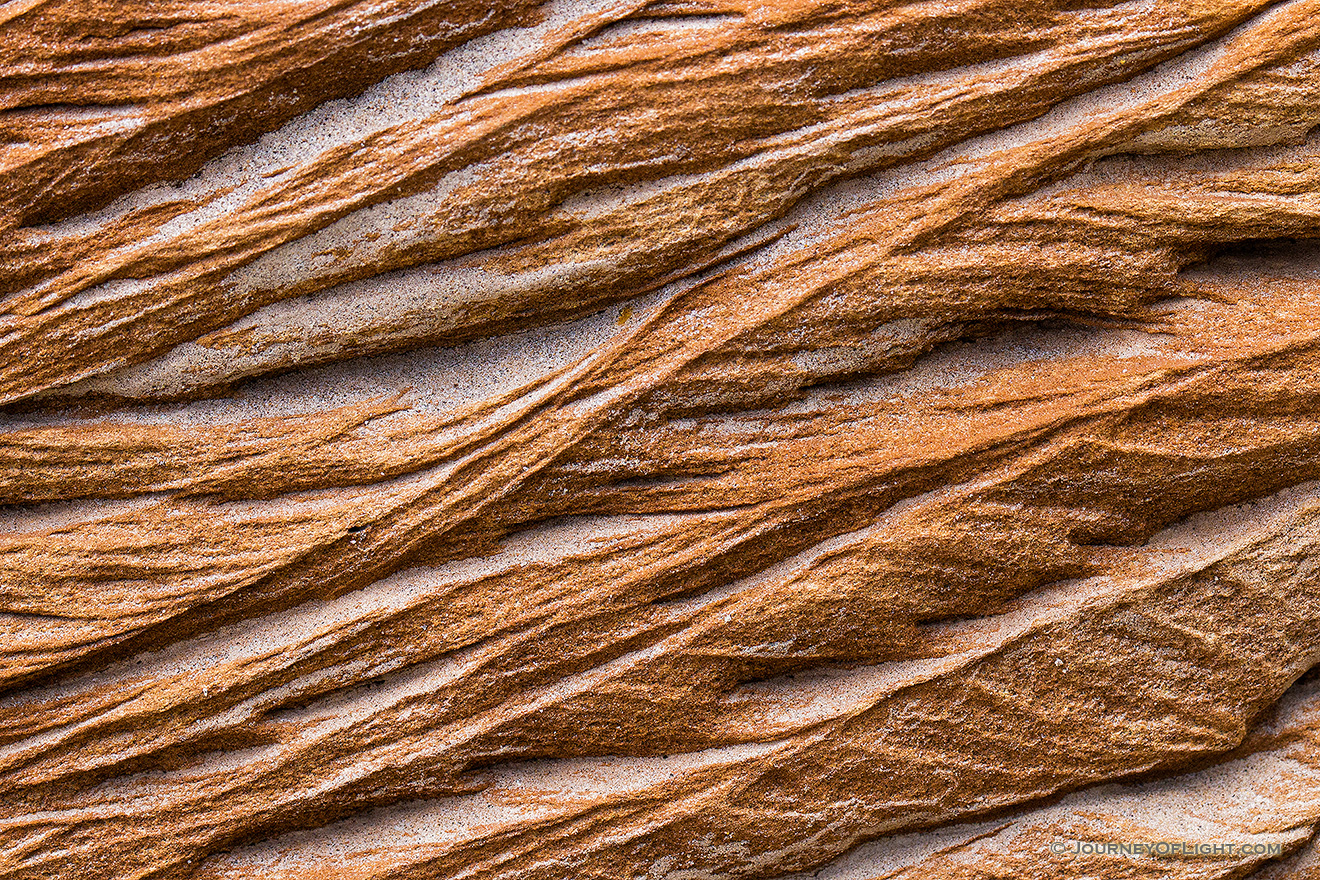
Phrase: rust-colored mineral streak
(609, 439)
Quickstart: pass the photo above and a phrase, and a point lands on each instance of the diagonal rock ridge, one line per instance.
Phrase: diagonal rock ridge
(661, 439)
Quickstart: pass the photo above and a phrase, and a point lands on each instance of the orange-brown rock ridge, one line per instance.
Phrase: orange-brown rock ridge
(676, 439)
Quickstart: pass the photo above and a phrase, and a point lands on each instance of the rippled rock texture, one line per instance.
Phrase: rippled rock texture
(659, 439)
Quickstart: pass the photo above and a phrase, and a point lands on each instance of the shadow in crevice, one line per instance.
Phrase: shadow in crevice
(1282, 257)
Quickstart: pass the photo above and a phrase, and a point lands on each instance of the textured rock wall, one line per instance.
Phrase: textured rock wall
(673, 440)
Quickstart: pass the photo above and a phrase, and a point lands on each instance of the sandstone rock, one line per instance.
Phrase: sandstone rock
(659, 439)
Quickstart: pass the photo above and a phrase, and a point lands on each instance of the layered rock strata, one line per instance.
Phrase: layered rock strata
(659, 439)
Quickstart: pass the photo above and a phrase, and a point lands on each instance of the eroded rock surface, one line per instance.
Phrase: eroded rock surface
(659, 439)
